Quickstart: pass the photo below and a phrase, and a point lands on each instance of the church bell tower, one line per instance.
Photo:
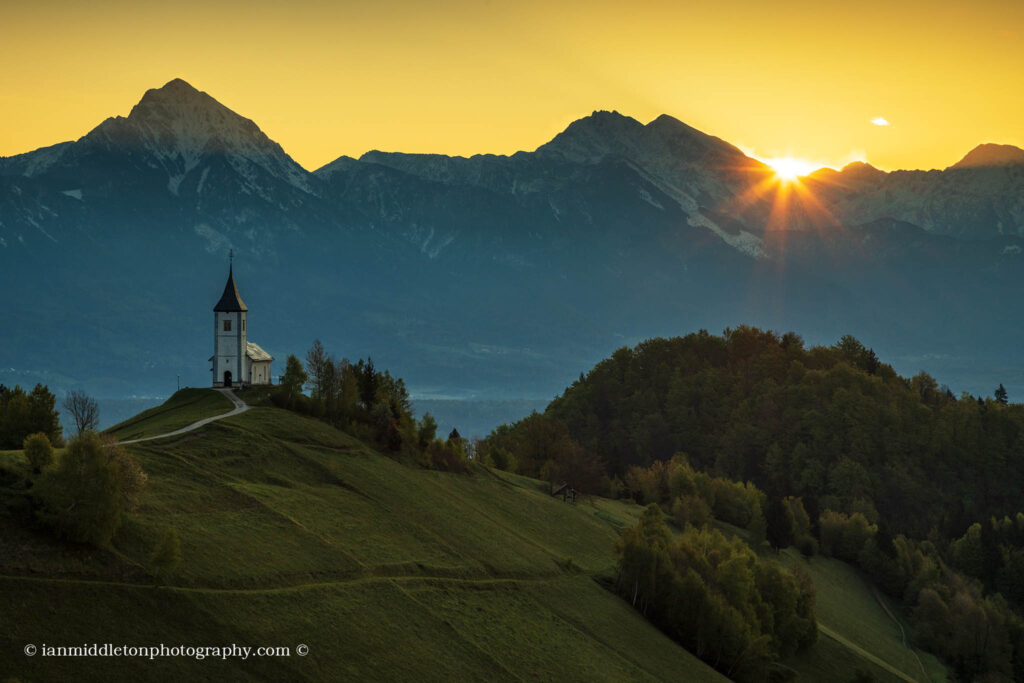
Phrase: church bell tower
(229, 342)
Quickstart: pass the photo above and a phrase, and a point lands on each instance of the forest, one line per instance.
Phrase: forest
(919, 487)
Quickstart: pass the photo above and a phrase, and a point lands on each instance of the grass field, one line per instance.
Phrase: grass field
(848, 611)
(293, 532)
(182, 409)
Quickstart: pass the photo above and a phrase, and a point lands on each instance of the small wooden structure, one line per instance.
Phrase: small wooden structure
(567, 493)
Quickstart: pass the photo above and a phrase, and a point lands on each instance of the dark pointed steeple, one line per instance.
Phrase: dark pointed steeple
(229, 300)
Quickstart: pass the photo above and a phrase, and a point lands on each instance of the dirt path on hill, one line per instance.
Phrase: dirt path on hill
(903, 633)
(240, 407)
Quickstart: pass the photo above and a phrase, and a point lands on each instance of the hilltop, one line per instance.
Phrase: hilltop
(295, 533)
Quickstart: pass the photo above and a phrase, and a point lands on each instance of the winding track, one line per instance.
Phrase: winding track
(240, 407)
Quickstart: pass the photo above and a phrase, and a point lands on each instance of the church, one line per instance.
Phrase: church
(237, 362)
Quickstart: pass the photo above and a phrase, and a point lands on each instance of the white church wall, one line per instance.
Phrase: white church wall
(229, 346)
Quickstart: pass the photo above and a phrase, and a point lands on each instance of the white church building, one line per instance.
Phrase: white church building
(237, 362)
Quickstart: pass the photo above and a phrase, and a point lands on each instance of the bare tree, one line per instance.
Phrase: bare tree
(84, 410)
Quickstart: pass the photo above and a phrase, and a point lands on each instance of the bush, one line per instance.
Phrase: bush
(693, 511)
(81, 498)
(132, 479)
(38, 451)
(446, 456)
(807, 546)
(167, 554)
(844, 537)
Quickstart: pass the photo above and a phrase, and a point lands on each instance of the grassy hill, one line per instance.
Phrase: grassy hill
(182, 409)
(294, 533)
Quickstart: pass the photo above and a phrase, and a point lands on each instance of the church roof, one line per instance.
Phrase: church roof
(229, 300)
(255, 353)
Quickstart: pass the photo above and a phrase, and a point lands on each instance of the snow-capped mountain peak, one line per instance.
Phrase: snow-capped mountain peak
(180, 127)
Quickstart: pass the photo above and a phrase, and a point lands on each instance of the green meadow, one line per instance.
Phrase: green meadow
(295, 533)
(180, 410)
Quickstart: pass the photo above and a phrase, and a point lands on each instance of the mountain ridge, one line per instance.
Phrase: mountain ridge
(612, 231)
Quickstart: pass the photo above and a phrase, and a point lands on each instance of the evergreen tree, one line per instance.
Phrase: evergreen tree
(427, 431)
(293, 379)
(991, 555)
(368, 382)
(757, 528)
(1001, 396)
(23, 413)
(779, 523)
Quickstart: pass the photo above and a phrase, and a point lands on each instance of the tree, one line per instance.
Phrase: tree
(757, 527)
(166, 555)
(316, 358)
(779, 523)
(349, 399)
(24, 413)
(83, 409)
(131, 478)
(38, 451)
(81, 497)
(367, 382)
(427, 431)
(1001, 396)
(293, 379)
(578, 468)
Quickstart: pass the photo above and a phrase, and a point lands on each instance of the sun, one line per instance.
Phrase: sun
(789, 169)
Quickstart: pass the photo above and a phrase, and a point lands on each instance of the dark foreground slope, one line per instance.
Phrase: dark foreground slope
(294, 533)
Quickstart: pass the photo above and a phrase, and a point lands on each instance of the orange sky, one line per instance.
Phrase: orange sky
(327, 78)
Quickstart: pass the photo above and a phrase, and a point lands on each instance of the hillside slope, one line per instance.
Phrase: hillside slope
(294, 533)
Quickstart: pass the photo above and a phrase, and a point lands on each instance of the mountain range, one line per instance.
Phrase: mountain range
(488, 276)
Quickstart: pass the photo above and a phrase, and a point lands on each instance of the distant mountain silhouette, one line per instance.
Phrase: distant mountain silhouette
(990, 154)
(493, 275)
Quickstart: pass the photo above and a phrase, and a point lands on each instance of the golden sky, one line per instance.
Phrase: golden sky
(323, 78)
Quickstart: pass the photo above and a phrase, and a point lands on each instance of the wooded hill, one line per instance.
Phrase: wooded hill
(831, 424)
(919, 487)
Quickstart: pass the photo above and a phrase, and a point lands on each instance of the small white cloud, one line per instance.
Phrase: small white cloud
(879, 121)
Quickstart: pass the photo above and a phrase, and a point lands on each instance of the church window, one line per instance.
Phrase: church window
(243, 324)
(227, 325)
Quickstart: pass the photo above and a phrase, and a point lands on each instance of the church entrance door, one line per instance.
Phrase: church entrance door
(227, 378)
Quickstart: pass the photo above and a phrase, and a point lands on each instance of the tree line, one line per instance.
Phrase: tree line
(370, 404)
(24, 413)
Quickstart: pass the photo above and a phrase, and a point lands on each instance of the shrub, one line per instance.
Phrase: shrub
(81, 498)
(38, 451)
(844, 537)
(132, 479)
(693, 511)
(166, 555)
(807, 546)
